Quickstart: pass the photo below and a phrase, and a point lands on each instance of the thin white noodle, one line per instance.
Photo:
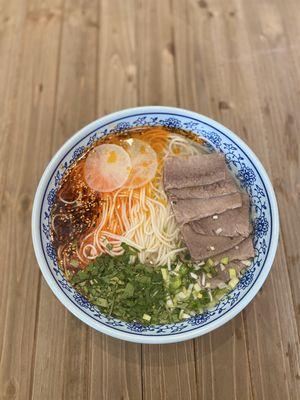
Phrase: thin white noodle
(122, 239)
(117, 194)
(119, 220)
(172, 253)
(155, 230)
(130, 199)
(134, 227)
(90, 257)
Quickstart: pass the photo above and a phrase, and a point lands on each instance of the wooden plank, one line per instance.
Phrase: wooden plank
(117, 68)
(273, 340)
(229, 66)
(191, 22)
(116, 365)
(221, 357)
(279, 102)
(29, 98)
(62, 369)
(11, 30)
(168, 371)
(115, 369)
(279, 117)
(262, 333)
(280, 382)
(156, 53)
(222, 363)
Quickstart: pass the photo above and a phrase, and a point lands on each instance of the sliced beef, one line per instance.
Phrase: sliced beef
(216, 189)
(243, 251)
(230, 223)
(212, 213)
(182, 172)
(204, 246)
(194, 209)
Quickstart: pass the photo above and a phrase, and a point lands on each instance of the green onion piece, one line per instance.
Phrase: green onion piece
(232, 273)
(128, 291)
(175, 283)
(224, 260)
(183, 270)
(233, 282)
(147, 317)
(165, 274)
(197, 287)
(209, 262)
(101, 302)
(130, 250)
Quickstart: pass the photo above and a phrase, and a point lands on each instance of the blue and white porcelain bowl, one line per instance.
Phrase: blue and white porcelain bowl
(248, 171)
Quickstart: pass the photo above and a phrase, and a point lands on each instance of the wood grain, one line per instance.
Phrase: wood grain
(27, 113)
(63, 359)
(115, 365)
(64, 63)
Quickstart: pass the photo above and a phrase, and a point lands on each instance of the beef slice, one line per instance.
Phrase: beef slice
(202, 247)
(216, 189)
(195, 209)
(243, 251)
(201, 169)
(233, 222)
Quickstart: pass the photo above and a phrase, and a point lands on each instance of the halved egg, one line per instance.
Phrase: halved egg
(144, 163)
(107, 167)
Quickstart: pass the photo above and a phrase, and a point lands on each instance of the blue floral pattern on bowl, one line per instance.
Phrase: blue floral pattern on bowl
(243, 168)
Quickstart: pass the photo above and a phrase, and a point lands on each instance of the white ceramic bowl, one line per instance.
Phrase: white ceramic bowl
(248, 171)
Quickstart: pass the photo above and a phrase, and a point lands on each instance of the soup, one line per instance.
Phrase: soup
(141, 226)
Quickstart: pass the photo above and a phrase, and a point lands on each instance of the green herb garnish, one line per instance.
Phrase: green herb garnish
(209, 268)
(142, 293)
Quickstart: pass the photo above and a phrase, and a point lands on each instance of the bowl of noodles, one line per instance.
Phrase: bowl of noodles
(155, 224)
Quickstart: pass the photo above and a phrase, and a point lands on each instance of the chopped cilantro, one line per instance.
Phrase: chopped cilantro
(137, 292)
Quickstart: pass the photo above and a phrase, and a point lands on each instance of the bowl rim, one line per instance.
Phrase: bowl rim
(134, 337)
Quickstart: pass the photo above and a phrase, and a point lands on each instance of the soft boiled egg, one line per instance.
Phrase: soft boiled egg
(144, 163)
(107, 168)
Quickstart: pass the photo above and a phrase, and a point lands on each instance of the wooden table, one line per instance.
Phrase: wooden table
(65, 63)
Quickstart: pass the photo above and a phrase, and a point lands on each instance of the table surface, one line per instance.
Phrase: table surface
(63, 63)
